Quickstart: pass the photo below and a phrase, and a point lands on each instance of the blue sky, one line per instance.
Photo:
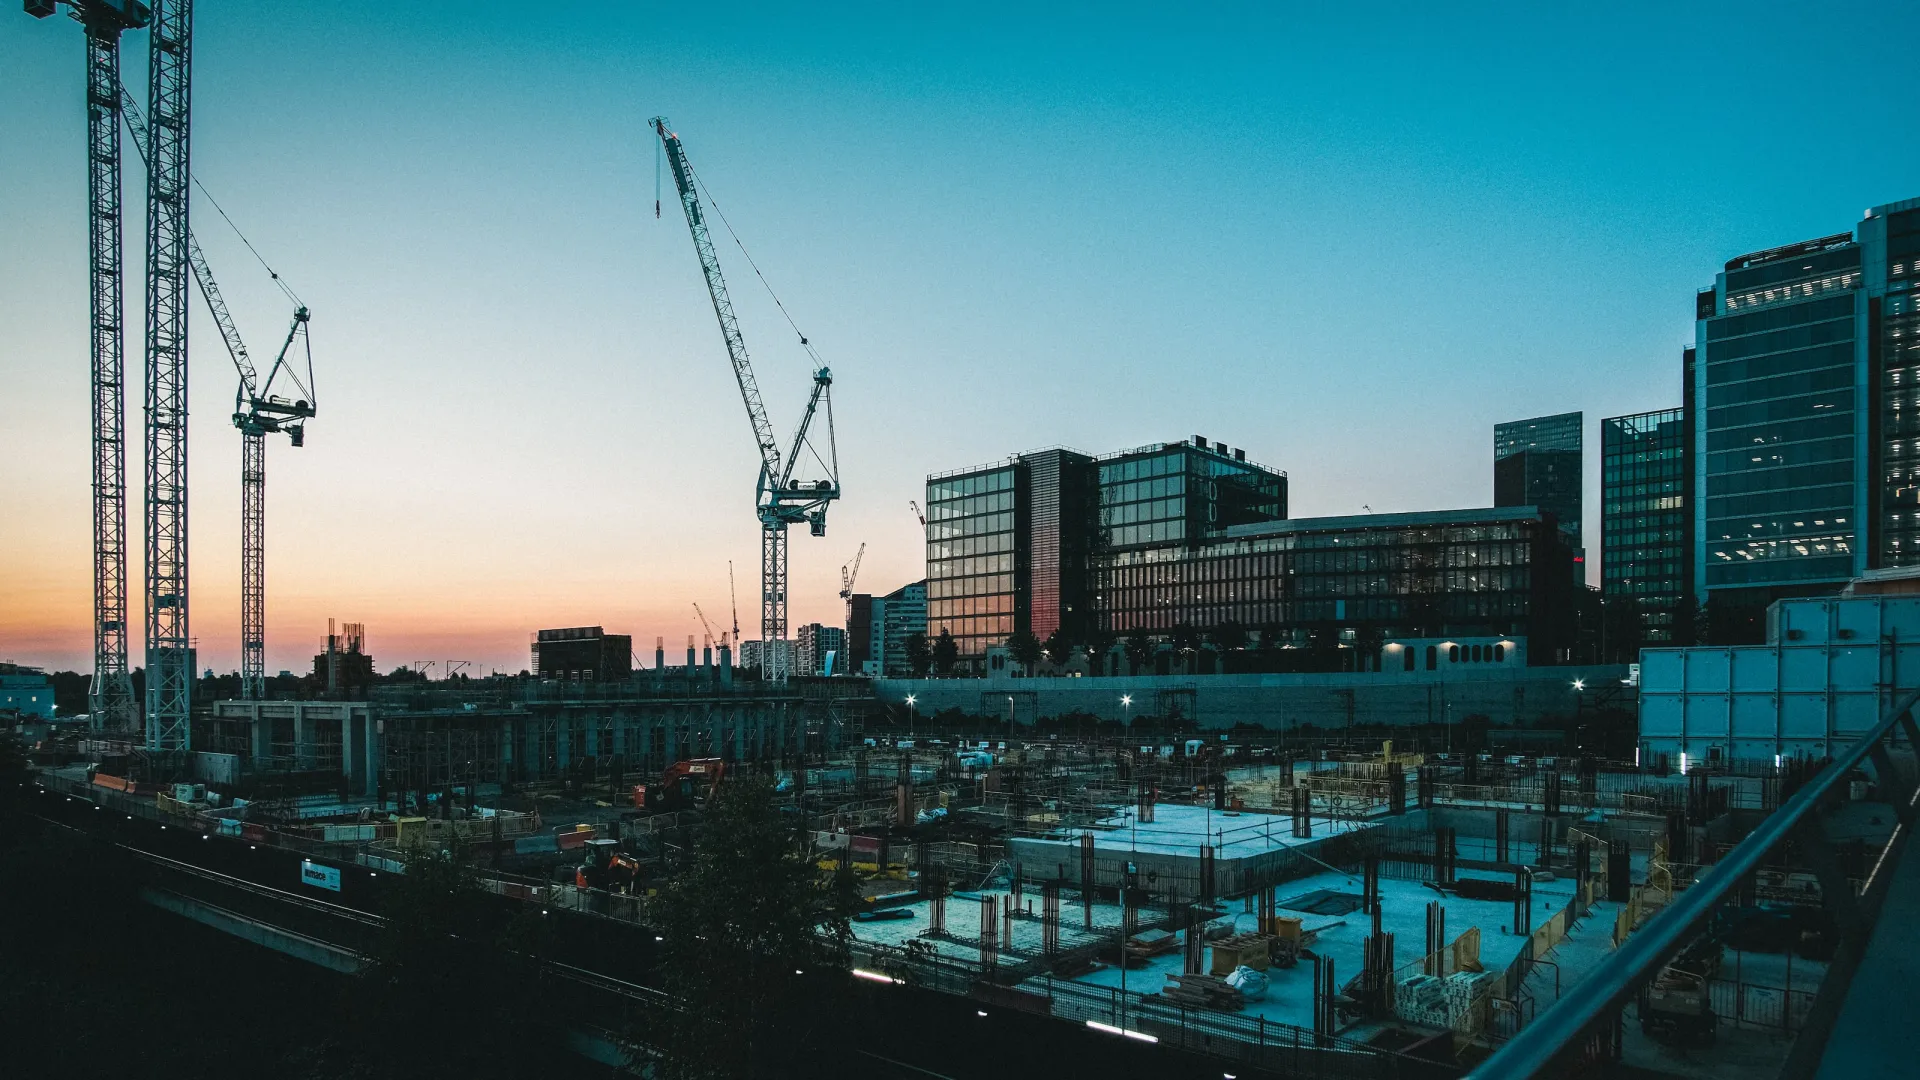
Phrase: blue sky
(1349, 240)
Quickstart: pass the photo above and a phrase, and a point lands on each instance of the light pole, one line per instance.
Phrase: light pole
(910, 700)
(1126, 710)
(1009, 721)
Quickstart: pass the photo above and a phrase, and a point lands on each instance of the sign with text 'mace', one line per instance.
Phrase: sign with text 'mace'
(320, 877)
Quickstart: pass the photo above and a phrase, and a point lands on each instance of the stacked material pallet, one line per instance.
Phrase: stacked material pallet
(1422, 999)
(1463, 991)
(1204, 991)
(1242, 950)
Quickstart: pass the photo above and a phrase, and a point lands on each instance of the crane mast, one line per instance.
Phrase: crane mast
(110, 694)
(779, 499)
(257, 411)
(169, 636)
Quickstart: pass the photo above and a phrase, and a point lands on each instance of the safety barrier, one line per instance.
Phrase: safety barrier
(1584, 1024)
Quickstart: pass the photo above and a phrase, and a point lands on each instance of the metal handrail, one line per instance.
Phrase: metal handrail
(1534, 1051)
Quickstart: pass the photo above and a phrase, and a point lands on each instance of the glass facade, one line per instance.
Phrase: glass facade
(1894, 322)
(1646, 518)
(975, 524)
(1492, 572)
(1540, 462)
(1063, 506)
(1183, 493)
(1780, 473)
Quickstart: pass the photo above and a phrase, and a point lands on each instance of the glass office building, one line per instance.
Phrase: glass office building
(1184, 493)
(1805, 435)
(1646, 519)
(1462, 573)
(1012, 547)
(973, 555)
(1539, 462)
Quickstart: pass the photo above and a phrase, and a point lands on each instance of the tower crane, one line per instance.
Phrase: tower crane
(735, 598)
(914, 505)
(110, 694)
(848, 575)
(780, 498)
(257, 411)
(707, 625)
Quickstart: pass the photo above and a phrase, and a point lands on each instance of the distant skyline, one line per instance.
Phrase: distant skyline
(1349, 242)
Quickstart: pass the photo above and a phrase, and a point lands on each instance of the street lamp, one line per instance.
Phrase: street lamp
(1126, 707)
(910, 700)
(1579, 684)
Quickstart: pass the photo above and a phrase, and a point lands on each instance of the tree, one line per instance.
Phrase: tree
(1139, 651)
(446, 990)
(1098, 644)
(919, 655)
(946, 652)
(1024, 648)
(754, 943)
(1186, 641)
(1059, 648)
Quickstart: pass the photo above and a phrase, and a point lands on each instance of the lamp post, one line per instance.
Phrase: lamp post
(910, 700)
(1009, 720)
(1126, 709)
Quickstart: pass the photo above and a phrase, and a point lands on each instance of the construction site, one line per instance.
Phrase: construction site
(1315, 913)
(1277, 897)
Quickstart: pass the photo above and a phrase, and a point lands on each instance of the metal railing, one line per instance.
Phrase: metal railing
(1590, 1008)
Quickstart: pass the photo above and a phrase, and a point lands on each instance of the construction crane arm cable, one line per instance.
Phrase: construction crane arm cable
(722, 303)
(250, 385)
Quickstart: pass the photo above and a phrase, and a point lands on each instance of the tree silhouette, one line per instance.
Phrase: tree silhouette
(945, 653)
(1139, 651)
(1059, 648)
(742, 925)
(1024, 648)
(919, 654)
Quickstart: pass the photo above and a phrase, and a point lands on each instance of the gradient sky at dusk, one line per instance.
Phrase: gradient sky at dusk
(1347, 238)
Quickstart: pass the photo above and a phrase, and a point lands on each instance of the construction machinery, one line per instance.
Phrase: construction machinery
(258, 411)
(849, 574)
(683, 784)
(781, 498)
(110, 695)
(607, 867)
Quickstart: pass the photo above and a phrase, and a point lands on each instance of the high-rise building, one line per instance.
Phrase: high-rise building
(814, 645)
(1539, 462)
(898, 615)
(1806, 457)
(1011, 547)
(860, 625)
(1646, 521)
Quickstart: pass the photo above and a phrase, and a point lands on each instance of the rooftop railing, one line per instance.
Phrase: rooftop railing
(1583, 1024)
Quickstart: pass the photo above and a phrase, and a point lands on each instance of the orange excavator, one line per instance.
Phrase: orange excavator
(681, 785)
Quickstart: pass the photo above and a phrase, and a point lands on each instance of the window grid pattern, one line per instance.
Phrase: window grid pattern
(1781, 422)
(973, 556)
(1646, 469)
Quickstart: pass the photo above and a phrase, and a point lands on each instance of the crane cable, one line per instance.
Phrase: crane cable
(708, 192)
(764, 283)
(133, 115)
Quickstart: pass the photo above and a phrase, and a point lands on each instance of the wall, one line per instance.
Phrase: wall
(1830, 668)
(1509, 696)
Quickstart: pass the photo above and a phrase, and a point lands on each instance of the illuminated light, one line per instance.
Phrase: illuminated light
(1111, 1030)
(1579, 684)
(979, 1012)
(873, 976)
(1776, 761)
(1683, 763)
